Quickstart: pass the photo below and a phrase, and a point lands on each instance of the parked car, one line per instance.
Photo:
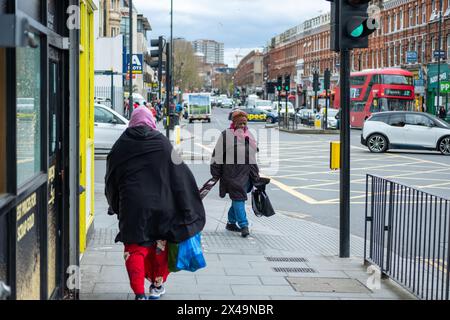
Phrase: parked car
(108, 127)
(406, 130)
(332, 121)
(305, 116)
(254, 115)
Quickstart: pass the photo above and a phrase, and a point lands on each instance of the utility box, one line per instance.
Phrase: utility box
(335, 155)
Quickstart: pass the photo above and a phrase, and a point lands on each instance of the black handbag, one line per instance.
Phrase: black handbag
(261, 203)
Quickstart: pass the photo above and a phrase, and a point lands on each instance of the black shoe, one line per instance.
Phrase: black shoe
(233, 227)
(245, 232)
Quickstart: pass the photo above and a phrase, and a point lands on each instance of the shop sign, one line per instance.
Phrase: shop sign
(445, 87)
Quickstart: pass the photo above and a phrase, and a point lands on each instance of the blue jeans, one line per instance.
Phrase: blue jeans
(237, 214)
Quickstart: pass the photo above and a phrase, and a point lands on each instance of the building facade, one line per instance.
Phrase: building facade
(213, 51)
(407, 38)
(40, 146)
(248, 76)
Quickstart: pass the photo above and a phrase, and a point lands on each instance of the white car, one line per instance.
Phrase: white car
(108, 127)
(406, 130)
(263, 105)
(291, 109)
(331, 117)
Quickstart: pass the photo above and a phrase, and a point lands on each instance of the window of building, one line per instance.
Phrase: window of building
(389, 57)
(388, 22)
(28, 113)
(424, 13)
(401, 55)
(395, 56)
(424, 48)
(401, 19)
(2, 121)
(433, 48)
(411, 17)
(417, 15)
(395, 23)
(448, 46)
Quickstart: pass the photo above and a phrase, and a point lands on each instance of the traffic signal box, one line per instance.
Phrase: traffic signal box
(351, 24)
(279, 84)
(158, 64)
(316, 83)
(287, 83)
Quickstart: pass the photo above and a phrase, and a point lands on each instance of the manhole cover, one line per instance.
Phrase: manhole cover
(286, 259)
(327, 285)
(294, 270)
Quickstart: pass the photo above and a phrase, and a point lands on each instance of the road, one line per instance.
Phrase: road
(302, 185)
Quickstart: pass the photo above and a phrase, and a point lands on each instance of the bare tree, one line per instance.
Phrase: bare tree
(186, 69)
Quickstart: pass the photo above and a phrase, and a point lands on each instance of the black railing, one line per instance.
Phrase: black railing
(407, 236)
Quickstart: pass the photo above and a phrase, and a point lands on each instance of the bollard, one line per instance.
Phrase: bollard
(335, 155)
(177, 133)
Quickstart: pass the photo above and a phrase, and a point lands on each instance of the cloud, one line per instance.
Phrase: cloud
(236, 23)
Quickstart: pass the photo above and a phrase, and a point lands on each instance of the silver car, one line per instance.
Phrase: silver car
(108, 127)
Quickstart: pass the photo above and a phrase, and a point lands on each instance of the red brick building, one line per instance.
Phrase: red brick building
(249, 73)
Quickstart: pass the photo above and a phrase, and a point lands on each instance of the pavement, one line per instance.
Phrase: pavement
(284, 258)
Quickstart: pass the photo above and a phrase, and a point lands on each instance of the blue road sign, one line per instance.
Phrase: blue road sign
(411, 57)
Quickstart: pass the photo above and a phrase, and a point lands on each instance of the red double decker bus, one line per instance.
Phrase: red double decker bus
(376, 91)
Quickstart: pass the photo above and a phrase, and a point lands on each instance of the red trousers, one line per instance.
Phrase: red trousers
(145, 263)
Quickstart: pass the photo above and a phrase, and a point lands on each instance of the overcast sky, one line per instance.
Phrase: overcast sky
(242, 25)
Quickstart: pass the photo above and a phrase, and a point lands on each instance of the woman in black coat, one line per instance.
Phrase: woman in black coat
(155, 197)
(234, 163)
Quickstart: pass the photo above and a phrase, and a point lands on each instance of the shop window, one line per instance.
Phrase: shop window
(2, 121)
(28, 113)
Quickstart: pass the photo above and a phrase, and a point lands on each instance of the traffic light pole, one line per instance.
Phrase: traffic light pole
(344, 222)
(130, 61)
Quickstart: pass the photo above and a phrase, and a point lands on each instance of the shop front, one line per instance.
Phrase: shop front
(38, 237)
(433, 103)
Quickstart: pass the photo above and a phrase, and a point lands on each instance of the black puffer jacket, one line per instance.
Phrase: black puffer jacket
(155, 198)
(234, 163)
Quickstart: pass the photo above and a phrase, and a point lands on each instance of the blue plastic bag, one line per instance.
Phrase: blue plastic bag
(190, 255)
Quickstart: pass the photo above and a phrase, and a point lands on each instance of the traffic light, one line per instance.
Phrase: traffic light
(351, 24)
(316, 83)
(327, 80)
(355, 24)
(279, 84)
(158, 64)
(287, 83)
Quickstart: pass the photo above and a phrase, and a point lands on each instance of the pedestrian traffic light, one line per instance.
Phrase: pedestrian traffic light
(287, 83)
(354, 23)
(158, 64)
(279, 84)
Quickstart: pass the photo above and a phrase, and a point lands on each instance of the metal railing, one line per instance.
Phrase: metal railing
(407, 233)
(103, 96)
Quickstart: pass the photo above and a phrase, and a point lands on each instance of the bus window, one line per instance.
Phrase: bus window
(396, 79)
(395, 104)
(357, 106)
(358, 80)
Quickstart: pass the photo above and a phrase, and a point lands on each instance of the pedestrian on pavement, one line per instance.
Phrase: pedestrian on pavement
(442, 113)
(234, 164)
(156, 199)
